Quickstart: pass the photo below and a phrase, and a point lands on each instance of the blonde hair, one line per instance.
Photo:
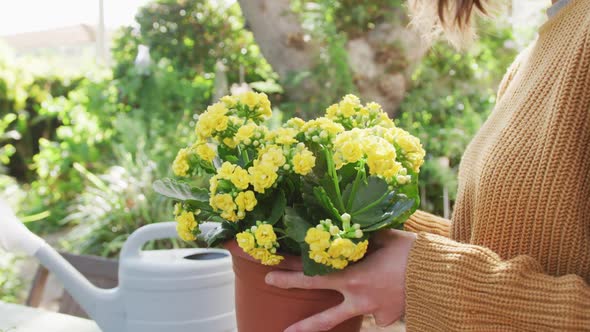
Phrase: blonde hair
(451, 18)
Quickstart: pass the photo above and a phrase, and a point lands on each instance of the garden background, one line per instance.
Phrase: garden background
(80, 148)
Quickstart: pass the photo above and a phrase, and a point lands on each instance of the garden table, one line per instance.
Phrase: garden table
(18, 318)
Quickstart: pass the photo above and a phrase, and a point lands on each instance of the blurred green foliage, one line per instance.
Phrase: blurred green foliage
(11, 285)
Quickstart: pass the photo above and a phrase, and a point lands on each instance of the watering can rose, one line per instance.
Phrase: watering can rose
(316, 188)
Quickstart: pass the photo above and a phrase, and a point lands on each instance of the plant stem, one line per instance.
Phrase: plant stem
(360, 174)
(332, 173)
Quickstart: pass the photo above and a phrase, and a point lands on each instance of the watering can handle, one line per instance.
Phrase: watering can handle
(162, 230)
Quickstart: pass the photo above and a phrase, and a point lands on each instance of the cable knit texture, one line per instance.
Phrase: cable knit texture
(518, 253)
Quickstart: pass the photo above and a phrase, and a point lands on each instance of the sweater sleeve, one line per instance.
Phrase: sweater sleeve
(422, 221)
(452, 286)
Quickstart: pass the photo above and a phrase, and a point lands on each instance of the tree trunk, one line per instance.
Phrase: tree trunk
(381, 60)
(282, 40)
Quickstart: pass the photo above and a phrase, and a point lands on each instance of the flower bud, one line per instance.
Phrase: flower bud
(345, 218)
(358, 233)
(334, 230)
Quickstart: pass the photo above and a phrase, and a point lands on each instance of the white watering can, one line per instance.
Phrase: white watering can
(178, 290)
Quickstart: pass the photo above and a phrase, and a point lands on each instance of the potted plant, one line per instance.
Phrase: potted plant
(303, 196)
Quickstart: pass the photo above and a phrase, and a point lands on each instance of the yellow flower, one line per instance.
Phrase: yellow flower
(272, 154)
(230, 141)
(262, 176)
(413, 151)
(246, 201)
(180, 165)
(226, 170)
(303, 162)
(249, 99)
(185, 226)
(359, 251)
(295, 123)
(318, 239)
(229, 101)
(347, 108)
(339, 263)
(320, 256)
(352, 151)
(332, 111)
(205, 152)
(212, 119)
(381, 157)
(272, 259)
(265, 236)
(265, 257)
(230, 215)
(265, 107)
(240, 178)
(408, 143)
(260, 254)
(341, 248)
(284, 136)
(245, 241)
(245, 132)
(222, 202)
(213, 183)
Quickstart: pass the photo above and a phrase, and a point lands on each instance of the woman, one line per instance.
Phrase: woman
(516, 256)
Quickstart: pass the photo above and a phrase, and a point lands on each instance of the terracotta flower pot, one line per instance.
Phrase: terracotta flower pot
(264, 308)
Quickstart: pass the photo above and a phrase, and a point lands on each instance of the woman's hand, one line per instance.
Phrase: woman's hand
(375, 285)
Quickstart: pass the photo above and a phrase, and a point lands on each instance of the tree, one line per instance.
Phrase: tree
(365, 42)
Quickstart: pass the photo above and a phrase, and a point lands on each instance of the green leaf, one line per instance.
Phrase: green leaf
(395, 214)
(322, 197)
(310, 267)
(217, 235)
(278, 208)
(328, 185)
(369, 193)
(296, 226)
(180, 191)
(347, 174)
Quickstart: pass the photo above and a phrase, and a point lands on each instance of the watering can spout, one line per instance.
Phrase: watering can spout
(98, 303)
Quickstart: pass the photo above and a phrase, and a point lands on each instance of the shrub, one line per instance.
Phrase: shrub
(193, 35)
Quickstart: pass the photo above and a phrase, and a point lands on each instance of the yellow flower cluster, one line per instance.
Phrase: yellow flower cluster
(332, 251)
(258, 103)
(233, 207)
(380, 155)
(283, 136)
(352, 114)
(205, 151)
(264, 171)
(251, 134)
(186, 223)
(180, 166)
(321, 130)
(409, 147)
(212, 121)
(260, 242)
(411, 150)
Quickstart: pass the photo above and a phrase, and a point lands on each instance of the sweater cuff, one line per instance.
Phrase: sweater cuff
(422, 221)
(438, 268)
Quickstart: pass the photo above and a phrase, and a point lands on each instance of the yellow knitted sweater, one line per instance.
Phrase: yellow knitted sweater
(516, 256)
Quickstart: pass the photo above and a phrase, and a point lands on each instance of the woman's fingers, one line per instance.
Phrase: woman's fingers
(285, 279)
(325, 320)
